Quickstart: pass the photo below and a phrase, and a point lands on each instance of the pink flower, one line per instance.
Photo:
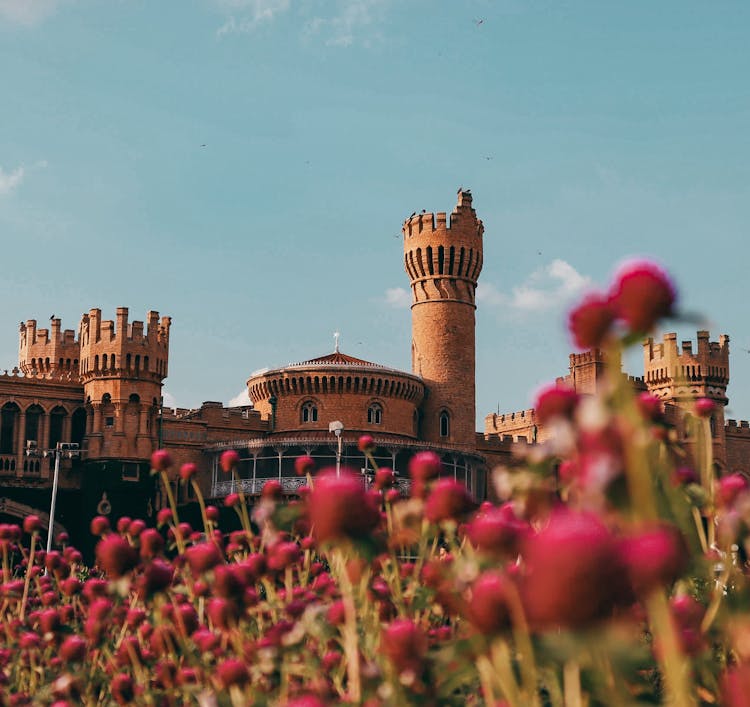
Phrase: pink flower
(384, 478)
(188, 471)
(448, 500)
(304, 465)
(555, 401)
(574, 576)
(590, 322)
(650, 407)
(122, 688)
(229, 460)
(424, 466)
(32, 524)
(498, 531)
(642, 294)
(73, 649)
(735, 686)
(232, 672)
(366, 443)
(405, 645)
(163, 516)
(161, 460)
(116, 556)
(704, 407)
(231, 500)
(729, 487)
(488, 608)
(340, 507)
(203, 557)
(654, 557)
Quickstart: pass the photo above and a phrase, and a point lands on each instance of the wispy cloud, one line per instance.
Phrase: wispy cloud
(169, 400)
(398, 298)
(354, 22)
(543, 290)
(27, 12)
(242, 398)
(10, 180)
(244, 16)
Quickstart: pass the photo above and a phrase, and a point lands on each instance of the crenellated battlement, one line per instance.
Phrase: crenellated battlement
(666, 362)
(443, 257)
(509, 421)
(122, 348)
(738, 428)
(47, 351)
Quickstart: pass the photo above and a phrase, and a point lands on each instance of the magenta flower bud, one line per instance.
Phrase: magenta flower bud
(161, 460)
(100, 525)
(366, 443)
(188, 471)
(73, 649)
(642, 294)
(304, 465)
(123, 524)
(384, 478)
(203, 557)
(116, 556)
(229, 460)
(555, 401)
(729, 487)
(163, 516)
(487, 608)
(340, 507)
(654, 558)
(424, 466)
(498, 531)
(704, 407)
(590, 322)
(448, 500)
(232, 672)
(231, 500)
(405, 645)
(32, 524)
(650, 407)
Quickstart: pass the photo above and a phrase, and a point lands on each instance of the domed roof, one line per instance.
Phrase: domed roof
(337, 359)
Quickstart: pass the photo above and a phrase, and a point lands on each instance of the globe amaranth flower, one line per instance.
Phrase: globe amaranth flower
(642, 294)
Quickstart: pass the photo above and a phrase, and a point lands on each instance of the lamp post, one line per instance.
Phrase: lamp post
(69, 450)
(337, 428)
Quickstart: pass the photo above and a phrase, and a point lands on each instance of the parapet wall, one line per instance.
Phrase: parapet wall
(665, 361)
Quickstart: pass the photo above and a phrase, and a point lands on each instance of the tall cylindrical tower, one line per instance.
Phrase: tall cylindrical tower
(443, 260)
(122, 366)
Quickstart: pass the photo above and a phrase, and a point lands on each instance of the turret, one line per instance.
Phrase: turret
(443, 258)
(680, 377)
(122, 368)
(47, 352)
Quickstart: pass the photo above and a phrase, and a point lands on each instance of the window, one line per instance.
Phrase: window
(375, 414)
(109, 421)
(445, 424)
(130, 471)
(309, 412)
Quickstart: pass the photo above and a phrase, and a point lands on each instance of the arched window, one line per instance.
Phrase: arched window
(375, 414)
(445, 424)
(309, 412)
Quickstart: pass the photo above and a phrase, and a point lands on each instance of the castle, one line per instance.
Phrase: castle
(100, 388)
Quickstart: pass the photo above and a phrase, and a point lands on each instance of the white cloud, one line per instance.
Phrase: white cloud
(353, 22)
(398, 298)
(242, 398)
(10, 180)
(169, 400)
(244, 16)
(27, 12)
(543, 290)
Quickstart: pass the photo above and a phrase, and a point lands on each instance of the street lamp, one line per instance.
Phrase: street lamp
(69, 450)
(337, 428)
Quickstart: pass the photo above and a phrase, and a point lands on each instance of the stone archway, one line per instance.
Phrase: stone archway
(21, 510)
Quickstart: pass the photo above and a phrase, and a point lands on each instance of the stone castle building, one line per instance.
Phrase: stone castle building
(100, 387)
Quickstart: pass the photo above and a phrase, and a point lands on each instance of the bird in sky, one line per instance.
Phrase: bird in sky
(52, 317)
(203, 145)
(480, 21)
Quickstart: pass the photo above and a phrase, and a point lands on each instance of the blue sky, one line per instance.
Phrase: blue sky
(244, 166)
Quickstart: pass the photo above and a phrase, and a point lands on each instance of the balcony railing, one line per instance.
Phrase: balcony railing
(289, 484)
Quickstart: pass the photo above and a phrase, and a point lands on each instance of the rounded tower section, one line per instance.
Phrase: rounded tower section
(47, 352)
(122, 367)
(443, 259)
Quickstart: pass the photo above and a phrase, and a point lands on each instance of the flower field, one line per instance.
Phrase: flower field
(611, 570)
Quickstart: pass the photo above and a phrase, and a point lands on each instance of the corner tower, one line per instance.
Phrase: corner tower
(443, 260)
(122, 367)
(681, 377)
